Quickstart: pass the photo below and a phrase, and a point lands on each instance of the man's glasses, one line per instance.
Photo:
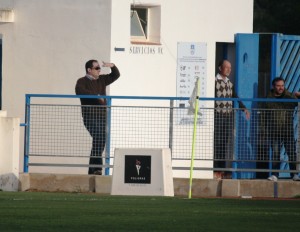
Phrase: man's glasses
(97, 68)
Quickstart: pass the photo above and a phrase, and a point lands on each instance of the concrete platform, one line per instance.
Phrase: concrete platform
(200, 188)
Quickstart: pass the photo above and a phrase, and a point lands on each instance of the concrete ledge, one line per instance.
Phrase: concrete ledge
(103, 184)
(24, 182)
(256, 188)
(288, 189)
(57, 183)
(181, 186)
(230, 188)
(200, 188)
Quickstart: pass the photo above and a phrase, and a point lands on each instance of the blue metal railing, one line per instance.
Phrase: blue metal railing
(110, 99)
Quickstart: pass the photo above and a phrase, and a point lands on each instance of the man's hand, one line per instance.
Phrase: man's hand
(110, 65)
(102, 101)
(247, 114)
(297, 94)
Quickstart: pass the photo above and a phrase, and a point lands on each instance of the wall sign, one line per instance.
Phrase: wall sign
(146, 50)
(191, 64)
(137, 169)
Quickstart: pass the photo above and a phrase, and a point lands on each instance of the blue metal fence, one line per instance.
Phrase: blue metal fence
(166, 130)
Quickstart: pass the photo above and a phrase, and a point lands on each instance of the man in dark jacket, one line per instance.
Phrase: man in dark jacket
(94, 109)
(278, 120)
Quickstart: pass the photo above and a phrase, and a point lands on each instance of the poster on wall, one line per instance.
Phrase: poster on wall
(191, 64)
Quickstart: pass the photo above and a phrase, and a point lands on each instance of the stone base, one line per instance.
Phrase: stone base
(200, 187)
(57, 183)
(9, 182)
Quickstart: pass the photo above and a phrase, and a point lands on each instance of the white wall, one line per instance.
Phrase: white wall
(9, 152)
(181, 21)
(46, 47)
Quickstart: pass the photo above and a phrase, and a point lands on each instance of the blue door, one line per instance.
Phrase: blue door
(286, 64)
(286, 60)
(246, 86)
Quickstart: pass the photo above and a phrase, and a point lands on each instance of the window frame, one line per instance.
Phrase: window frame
(152, 27)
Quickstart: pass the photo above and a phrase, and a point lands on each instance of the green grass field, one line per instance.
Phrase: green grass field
(35, 211)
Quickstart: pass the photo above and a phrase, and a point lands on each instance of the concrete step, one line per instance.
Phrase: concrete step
(200, 188)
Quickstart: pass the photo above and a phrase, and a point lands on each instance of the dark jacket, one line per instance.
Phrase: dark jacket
(278, 116)
(85, 86)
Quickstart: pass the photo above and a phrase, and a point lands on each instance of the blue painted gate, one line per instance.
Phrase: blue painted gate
(285, 62)
(246, 82)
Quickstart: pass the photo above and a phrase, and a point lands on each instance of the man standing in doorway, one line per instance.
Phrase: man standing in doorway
(224, 119)
(279, 126)
(94, 109)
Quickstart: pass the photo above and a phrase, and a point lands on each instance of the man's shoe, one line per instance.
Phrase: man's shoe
(296, 177)
(98, 172)
(273, 178)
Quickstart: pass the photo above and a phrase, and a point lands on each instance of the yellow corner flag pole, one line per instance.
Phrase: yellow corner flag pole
(196, 99)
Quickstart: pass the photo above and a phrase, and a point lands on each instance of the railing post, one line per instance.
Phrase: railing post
(27, 133)
(108, 133)
(235, 138)
(171, 119)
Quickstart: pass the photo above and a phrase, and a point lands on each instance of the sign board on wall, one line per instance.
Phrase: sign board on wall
(191, 64)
